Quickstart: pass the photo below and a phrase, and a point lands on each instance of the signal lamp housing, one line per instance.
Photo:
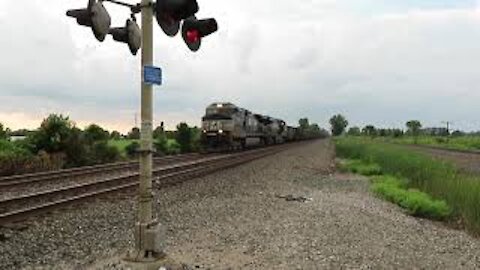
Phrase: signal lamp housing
(129, 34)
(169, 13)
(95, 16)
(194, 30)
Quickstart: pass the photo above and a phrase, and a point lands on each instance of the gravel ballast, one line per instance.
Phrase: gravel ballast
(286, 211)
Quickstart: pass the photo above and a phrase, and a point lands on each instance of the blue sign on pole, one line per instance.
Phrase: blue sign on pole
(152, 75)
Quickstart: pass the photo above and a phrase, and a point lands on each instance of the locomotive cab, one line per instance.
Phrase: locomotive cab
(220, 126)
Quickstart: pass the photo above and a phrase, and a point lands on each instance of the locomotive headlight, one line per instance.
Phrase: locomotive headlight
(204, 131)
(220, 131)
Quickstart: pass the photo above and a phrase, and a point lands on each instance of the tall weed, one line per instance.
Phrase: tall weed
(439, 179)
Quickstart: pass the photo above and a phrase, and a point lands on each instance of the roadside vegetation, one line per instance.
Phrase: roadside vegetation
(58, 144)
(396, 190)
(417, 182)
(459, 142)
(414, 133)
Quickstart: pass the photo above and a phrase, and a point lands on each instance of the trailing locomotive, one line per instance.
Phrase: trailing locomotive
(228, 127)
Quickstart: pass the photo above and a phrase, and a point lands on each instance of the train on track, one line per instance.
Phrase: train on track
(227, 127)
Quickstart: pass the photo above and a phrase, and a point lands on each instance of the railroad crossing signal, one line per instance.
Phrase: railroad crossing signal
(169, 14)
(129, 34)
(193, 30)
(94, 16)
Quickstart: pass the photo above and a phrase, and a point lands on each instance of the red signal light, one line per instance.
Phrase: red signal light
(193, 35)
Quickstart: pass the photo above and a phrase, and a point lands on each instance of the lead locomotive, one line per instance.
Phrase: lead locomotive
(228, 127)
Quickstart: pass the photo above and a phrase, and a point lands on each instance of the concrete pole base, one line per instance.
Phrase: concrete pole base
(156, 262)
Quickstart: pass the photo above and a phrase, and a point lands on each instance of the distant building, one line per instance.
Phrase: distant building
(17, 138)
(435, 131)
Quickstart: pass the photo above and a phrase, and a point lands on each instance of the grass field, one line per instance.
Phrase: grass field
(440, 180)
(462, 143)
(122, 144)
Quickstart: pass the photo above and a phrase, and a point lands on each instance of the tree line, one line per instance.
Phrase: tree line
(339, 124)
(58, 144)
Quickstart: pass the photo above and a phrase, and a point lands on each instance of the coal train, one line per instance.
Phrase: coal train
(226, 127)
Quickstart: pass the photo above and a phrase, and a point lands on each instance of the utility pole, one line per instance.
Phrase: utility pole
(448, 123)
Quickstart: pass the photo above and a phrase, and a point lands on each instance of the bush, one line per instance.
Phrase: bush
(415, 202)
(104, 153)
(184, 137)
(173, 147)
(15, 159)
(161, 145)
(132, 149)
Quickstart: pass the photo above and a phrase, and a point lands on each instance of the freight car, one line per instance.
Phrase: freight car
(228, 127)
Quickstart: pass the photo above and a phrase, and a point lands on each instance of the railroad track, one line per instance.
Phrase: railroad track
(25, 179)
(24, 206)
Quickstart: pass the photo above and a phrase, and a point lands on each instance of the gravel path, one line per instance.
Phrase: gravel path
(239, 219)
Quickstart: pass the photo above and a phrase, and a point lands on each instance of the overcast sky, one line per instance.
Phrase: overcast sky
(377, 62)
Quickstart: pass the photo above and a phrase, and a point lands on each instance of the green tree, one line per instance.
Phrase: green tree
(397, 133)
(158, 132)
(338, 124)
(52, 134)
(94, 133)
(115, 135)
(76, 151)
(3, 132)
(134, 134)
(369, 130)
(354, 131)
(184, 137)
(414, 127)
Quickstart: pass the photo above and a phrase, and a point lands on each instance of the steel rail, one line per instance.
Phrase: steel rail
(73, 188)
(185, 169)
(81, 171)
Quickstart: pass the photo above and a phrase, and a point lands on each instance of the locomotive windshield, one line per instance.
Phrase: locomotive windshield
(219, 113)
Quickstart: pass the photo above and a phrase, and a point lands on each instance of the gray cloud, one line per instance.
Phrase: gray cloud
(288, 60)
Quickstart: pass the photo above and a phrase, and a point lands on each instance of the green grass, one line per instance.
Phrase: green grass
(440, 180)
(460, 143)
(122, 144)
(393, 189)
(416, 203)
(360, 167)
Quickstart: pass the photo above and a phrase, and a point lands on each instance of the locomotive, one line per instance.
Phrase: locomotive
(226, 126)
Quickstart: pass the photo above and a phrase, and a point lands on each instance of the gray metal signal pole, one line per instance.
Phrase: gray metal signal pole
(145, 192)
(149, 240)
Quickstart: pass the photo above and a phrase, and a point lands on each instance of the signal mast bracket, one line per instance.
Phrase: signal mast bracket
(137, 8)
